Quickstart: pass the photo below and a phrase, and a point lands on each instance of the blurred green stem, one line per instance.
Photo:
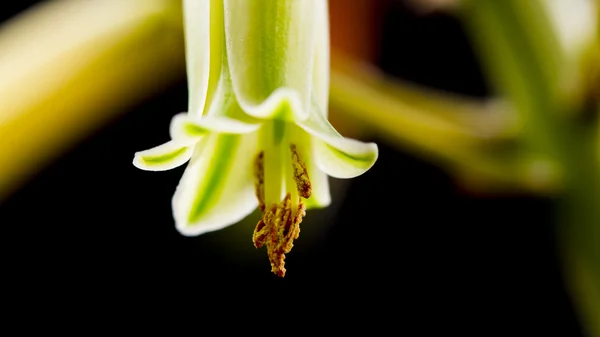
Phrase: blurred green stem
(69, 66)
(475, 139)
(521, 53)
(579, 228)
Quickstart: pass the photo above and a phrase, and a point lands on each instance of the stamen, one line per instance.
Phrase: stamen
(300, 174)
(280, 224)
(260, 234)
(259, 180)
(278, 229)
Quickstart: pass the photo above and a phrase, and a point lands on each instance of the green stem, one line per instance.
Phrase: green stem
(522, 56)
(471, 138)
(579, 228)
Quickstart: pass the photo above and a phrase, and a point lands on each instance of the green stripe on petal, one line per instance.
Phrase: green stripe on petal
(283, 104)
(189, 129)
(335, 155)
(217, 50)
(163, 157)
(217, 187)
(197, 52)
(347, 159)
(270, 45)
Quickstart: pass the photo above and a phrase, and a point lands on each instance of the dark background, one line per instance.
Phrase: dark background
(405, 250)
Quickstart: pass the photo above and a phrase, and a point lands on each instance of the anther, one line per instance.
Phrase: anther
(259, 180)
(300, 174)
(277, 230)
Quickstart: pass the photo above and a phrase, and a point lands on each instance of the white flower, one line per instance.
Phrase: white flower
(256, 130)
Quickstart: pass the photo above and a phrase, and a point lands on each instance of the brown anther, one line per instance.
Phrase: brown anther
(278, 229)
(260, 234)
(259, 180)
(300, 174)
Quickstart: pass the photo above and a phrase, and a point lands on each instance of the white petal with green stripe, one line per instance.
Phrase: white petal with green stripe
(163, 157)
(197, 49)
(270, 45)
(335, 155)
(283, 104)
(189, 129)
(217, 188)
(320, 196)
(344, 157)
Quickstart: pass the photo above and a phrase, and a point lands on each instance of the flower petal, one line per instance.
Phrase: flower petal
(217, 187)
(322, 66)
(188, 129)
(283, 104)
(163, 157)
(277, 38)
(335, 155)
(344, 157)
(320, 196)
(197, 52)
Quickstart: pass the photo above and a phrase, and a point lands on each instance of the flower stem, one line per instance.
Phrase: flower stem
(521, 53)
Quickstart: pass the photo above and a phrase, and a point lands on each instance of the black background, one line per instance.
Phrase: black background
(407, 251)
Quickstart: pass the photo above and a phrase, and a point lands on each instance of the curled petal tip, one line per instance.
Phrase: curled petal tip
(189, 129)
(163, 157)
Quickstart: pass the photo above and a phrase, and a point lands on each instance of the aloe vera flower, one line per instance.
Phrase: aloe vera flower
(256, 132)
